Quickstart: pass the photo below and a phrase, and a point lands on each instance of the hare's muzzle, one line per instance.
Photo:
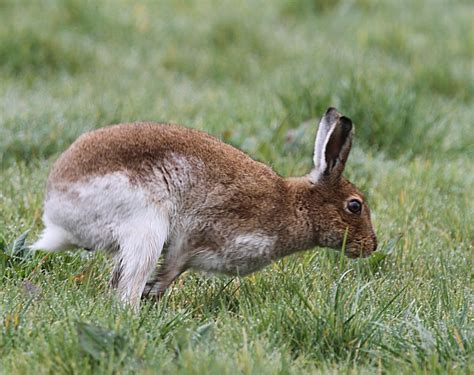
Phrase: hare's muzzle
(362, 251)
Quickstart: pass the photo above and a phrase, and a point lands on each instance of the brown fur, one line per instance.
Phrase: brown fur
(137, 148)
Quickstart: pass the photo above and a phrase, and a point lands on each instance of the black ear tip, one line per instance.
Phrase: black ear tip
(331, 115)
(331, 111)
(346, 123)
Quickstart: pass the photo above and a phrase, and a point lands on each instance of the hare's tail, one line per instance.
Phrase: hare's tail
(54, 238)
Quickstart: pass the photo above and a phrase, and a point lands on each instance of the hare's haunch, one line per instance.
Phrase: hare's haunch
(133, 189)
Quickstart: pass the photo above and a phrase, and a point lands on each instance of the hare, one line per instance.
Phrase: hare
(132, 189)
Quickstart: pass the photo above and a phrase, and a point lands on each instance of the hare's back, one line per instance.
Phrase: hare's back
(136, 149)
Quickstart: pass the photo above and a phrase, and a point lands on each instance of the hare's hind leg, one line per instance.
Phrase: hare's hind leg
(140, 244)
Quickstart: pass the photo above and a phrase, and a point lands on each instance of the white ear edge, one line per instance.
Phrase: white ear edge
(325, 129)
(320, 163)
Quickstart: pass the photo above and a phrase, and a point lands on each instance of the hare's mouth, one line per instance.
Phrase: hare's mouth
(358, 252)
(361, 249)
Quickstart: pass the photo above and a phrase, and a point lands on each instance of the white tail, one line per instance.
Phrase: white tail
(53, 238)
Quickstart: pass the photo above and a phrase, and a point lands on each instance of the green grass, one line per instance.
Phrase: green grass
(253, 74)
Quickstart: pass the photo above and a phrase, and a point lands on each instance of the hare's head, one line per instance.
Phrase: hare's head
(340, 214)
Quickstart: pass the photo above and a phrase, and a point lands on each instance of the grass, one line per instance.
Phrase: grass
(253, 74)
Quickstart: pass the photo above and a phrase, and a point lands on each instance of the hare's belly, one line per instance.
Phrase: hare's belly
(244, 254)
(96, 212)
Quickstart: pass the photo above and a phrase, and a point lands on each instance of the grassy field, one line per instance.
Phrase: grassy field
(252, 73)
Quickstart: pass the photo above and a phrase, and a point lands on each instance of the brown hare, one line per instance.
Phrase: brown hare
(133, 189)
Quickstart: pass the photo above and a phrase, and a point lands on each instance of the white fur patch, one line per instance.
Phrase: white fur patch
(252, 251)
(93, 212)
(108, 212)
(255, 241)
(242, 255)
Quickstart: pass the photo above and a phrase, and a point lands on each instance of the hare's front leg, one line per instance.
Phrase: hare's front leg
(175, 264)
(140, 245)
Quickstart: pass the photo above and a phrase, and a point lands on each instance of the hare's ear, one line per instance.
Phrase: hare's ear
(332, 146)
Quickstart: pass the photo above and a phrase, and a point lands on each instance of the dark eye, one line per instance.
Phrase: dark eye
(354, 206)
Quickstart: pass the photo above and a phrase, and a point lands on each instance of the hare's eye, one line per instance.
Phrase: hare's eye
(354, 206)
